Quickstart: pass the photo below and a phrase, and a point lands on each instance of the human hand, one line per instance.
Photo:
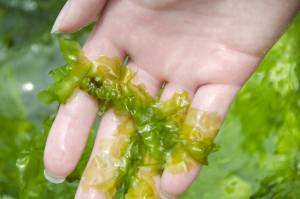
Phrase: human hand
(209, 48)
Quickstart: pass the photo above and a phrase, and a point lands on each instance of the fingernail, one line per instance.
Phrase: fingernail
(53, 178)
(63, 13)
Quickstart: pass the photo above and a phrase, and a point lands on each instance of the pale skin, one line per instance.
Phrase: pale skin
(207, 47)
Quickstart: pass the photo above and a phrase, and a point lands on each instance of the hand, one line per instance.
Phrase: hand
(209, 48)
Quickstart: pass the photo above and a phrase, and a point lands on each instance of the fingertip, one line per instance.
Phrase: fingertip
(76, 14)
(173, 185)
(54, 169)
(59, 21)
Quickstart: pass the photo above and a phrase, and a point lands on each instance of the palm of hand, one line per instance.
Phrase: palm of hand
(208, 48)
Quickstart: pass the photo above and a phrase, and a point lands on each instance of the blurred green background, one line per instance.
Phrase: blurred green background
(260, 139)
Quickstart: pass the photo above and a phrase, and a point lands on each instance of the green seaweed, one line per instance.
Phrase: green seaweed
(158, 124)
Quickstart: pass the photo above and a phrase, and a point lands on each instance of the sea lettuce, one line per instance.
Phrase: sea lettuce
(154, 132)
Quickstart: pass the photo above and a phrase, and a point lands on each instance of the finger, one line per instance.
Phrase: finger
(211, 98)
(70, 129)
(76, 14)
(108, 125)
(169, 90)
